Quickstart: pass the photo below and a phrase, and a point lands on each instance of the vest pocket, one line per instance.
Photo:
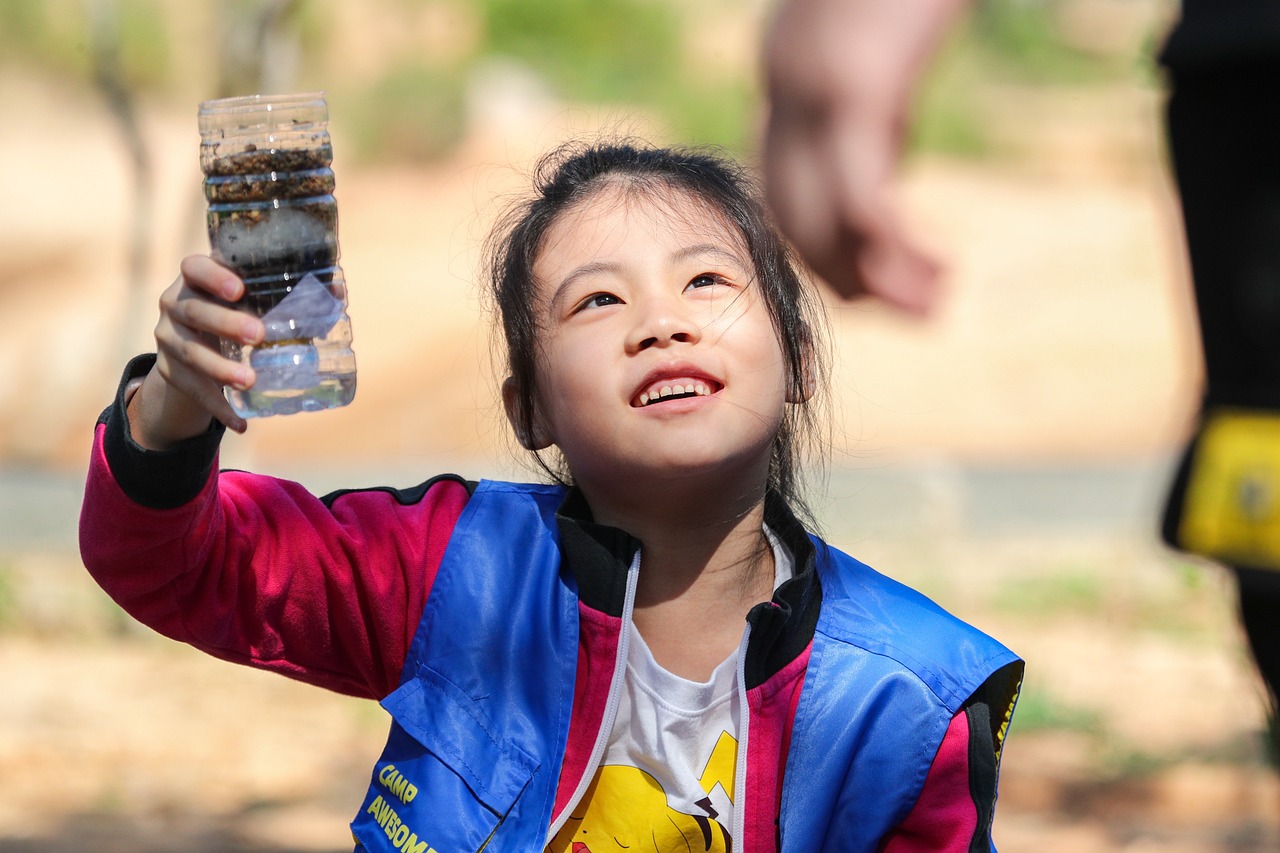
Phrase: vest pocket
(446, 781)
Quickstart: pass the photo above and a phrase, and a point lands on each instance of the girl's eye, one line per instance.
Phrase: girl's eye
(598, 300)
(706, 279)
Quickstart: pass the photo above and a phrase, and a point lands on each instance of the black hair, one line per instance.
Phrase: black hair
(573, 173)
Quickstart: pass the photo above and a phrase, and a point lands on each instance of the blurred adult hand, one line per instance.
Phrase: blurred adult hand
(840, 77)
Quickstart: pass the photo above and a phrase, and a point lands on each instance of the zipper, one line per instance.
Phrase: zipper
(740, 764)
(611, 703)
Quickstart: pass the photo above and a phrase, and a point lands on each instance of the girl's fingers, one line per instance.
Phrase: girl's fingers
(199, 298)
(203, 273)
(206, 395)
(191, 372)
(203, 316)
(185, 351)
(200, 386)
(211, 399)
(224, 414)
(193, 317)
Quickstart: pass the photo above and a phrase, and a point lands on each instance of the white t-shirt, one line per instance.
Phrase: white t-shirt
(667, 775)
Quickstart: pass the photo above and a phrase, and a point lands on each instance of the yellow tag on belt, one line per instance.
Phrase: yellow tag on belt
(1232, 506)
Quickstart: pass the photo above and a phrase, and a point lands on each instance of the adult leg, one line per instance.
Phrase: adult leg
(1224, 135)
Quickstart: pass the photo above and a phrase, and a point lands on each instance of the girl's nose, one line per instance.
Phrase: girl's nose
(660, 322)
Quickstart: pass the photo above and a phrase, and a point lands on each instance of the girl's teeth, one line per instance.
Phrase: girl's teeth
(676, 390)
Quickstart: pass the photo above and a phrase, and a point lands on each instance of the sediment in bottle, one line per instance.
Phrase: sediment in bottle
(272, 217)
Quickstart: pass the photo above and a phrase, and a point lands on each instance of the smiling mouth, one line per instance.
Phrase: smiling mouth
(665, 391)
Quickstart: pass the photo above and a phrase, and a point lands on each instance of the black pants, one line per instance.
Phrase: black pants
(1224, 136)
(1260, 614)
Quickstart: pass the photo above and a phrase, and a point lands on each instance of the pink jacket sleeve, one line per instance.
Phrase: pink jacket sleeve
(257, 570)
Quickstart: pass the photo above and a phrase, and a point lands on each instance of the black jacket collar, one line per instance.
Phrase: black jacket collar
(598, 556)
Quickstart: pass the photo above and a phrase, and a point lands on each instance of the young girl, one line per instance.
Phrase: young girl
(650, 654)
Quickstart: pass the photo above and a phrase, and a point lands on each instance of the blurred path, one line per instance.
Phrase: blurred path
(39, 507)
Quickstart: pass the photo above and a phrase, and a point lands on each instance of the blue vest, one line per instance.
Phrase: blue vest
(481, 719)
(885, 660)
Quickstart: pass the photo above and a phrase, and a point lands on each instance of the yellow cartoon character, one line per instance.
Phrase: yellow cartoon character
(626, 809)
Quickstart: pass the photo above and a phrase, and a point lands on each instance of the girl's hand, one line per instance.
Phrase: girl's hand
(184, 389)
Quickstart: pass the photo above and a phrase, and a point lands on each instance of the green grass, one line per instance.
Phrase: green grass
(610, 51)
(628, 54)
(1049, 593)
(414, 113)
(9, 610)
(1021, 41)
(1004, 44)
(59, 36)
(1119, 761)
(1039, 710)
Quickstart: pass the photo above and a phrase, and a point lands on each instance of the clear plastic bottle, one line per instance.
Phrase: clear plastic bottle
(267, 162)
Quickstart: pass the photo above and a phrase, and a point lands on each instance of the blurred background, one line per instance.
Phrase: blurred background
(1007, 457)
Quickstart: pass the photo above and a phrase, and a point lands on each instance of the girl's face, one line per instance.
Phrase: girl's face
(657, 358)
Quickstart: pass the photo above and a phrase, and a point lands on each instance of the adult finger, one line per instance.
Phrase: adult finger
(873, 246)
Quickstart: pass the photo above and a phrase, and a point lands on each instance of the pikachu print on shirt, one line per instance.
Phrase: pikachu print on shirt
(627, 809)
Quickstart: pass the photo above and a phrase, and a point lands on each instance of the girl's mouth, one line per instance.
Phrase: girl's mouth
(674, 389)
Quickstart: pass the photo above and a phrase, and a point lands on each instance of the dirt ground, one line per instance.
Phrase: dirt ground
(1064, 340)
(1139, 729)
